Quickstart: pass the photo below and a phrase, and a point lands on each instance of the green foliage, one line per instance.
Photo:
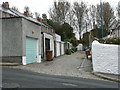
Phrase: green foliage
(99, 32)
(55, 25)
(112, 41)
(84, 42)
(74, 49)
(74, 41)
(68, 51)
(64, 30)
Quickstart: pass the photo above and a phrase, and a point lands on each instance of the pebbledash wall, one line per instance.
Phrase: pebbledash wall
(14, 34)
(105, 58)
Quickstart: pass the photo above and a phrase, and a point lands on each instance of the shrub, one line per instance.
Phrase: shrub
(68, 51)
(112, 41)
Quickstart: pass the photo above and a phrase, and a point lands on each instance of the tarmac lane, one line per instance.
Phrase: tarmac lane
(15, 78)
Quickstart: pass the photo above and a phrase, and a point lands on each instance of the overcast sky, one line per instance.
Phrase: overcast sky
(42, 6)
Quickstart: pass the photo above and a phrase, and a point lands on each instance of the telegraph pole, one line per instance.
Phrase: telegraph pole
(101, 16)
(118, 18)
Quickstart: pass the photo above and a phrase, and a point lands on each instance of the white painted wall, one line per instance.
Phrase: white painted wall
(80, 47)
(62, 48)
(57, 37)
(51, 42)
(116, 34)
(58, 48)
(105, 58)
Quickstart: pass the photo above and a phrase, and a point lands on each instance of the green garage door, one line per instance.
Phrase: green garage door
(31, 50)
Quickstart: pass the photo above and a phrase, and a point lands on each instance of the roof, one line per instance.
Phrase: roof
(28, 18)
(18, 14)
(7, 11)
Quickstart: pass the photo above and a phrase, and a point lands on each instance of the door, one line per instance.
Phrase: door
(47, 44)
(31, 50)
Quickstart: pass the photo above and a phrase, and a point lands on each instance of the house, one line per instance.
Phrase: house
(5, 10)
(47, 39)
(25, 39)
(86, 36)
(116, 31)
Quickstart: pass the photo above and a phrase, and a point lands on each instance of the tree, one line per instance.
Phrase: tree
(37, 15)
(55, 25)
(15, 8)
(79, 10)
(66, 31)
(92, 10)
(27, 11)
(107, 15)
(59, 11)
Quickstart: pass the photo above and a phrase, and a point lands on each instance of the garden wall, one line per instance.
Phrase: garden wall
(105, 58)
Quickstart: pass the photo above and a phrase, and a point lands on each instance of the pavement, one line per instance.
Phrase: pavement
(9, 64)
(74, 65)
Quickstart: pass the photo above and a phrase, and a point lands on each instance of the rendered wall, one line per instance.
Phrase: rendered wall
(105, 58)
(62, 48)
(31, 30)
(58, 49)
(57, 37)
(51, 43)
(12, 36)
(11, 40)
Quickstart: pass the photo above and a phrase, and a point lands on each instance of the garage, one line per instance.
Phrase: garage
(62, 48)
(57, 48)
(31, 50)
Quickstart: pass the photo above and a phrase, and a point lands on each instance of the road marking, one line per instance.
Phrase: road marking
(69, 84)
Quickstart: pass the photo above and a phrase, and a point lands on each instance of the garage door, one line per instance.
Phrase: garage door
(58, 49)
(62, 49)
(31, 50)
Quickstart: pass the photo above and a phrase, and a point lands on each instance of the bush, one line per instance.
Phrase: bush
(68, 51)
(112, 41)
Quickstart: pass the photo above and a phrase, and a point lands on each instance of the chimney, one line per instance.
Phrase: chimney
(44, 17)
(39, 19)
(26, 13)
(5, 5)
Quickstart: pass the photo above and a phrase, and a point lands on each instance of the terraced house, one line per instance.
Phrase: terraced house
(24, 39)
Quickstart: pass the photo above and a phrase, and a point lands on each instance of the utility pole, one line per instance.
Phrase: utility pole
(101, 16)
(86, 27)
(118, 18)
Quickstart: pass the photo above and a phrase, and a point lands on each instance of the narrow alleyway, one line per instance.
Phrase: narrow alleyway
(68, 65)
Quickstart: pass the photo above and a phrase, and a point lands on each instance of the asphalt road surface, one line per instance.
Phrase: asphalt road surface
(15, 78)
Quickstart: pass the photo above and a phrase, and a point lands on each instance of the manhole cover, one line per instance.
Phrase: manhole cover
(10, 85)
